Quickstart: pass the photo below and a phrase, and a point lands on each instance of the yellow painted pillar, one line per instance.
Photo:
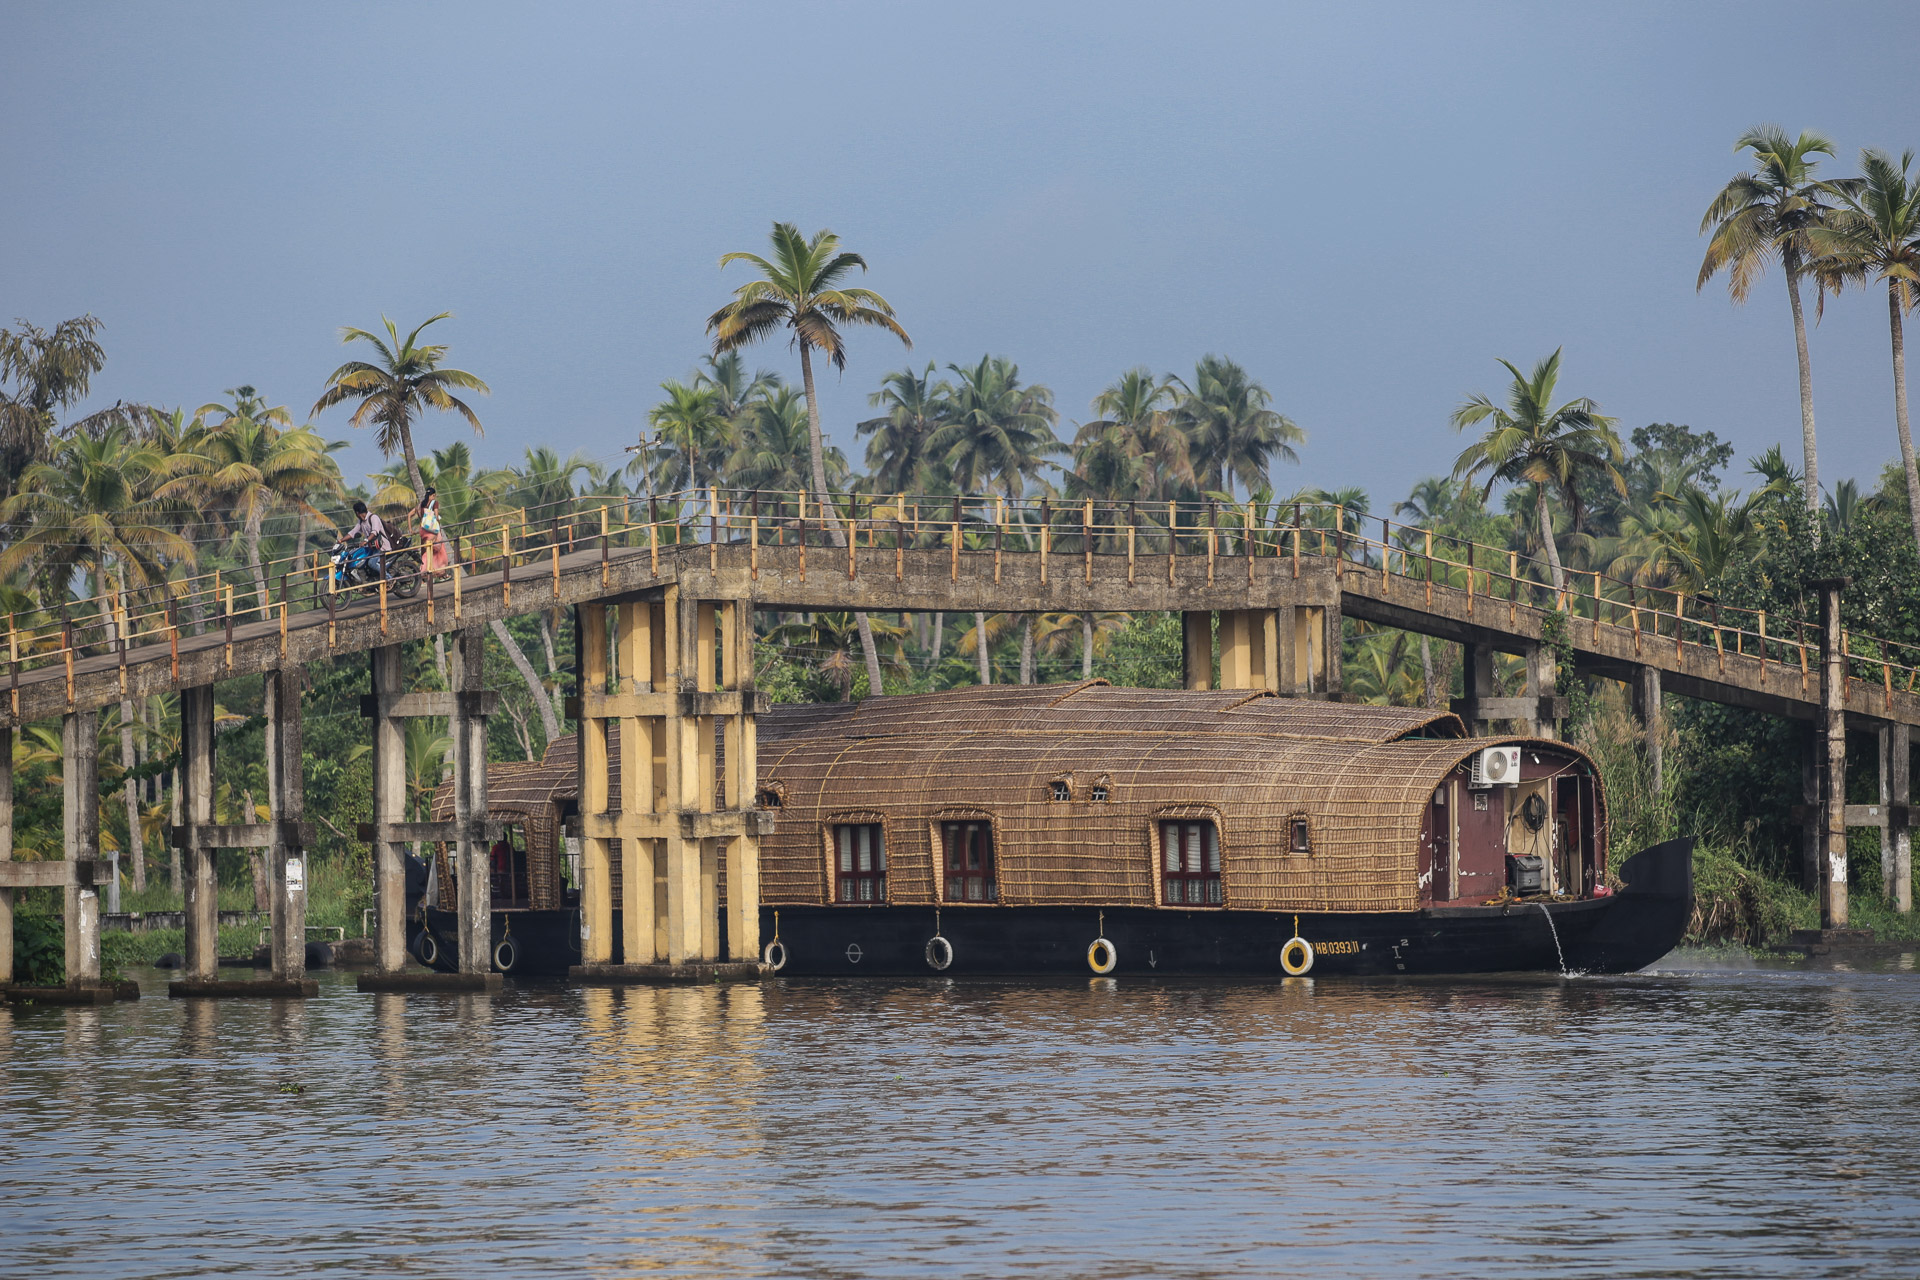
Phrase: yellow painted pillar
(632, 653)
(682, 856)
(1196, 633)
(1270, 672)
(1237, 646)
(596, 889)
(1309, 649)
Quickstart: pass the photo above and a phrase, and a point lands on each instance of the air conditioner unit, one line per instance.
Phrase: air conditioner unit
(1496, 767)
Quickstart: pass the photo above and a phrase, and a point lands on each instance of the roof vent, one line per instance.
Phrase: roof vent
(1496, 767)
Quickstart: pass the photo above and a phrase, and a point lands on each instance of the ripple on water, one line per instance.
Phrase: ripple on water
(1689, 1122)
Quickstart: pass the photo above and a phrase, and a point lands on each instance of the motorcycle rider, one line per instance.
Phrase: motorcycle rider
(370, 530)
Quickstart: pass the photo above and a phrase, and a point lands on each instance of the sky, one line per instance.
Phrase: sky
(1365, 205)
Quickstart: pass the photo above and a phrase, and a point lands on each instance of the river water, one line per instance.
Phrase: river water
(1686, 1122)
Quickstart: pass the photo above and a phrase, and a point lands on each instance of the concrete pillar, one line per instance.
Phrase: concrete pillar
(1900, 743)
(1812, 823)
(1334, 637)
(1883, 748)
(286, 806)
(1273, 673)
(1477, 684)
(1286, 672)
(80, 773)
(196, 787)
(1833, 869)
(1647, 705)
(6, 852)
(682, 856)
(743, 783)
(473, 867)
(1309, 649)
(389, 806)
(1543, 681)
(1239, 641)
(1196, 650)
(633, 658)
(596, 889)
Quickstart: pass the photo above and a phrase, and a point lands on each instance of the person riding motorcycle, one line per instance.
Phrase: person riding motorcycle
(370, 530)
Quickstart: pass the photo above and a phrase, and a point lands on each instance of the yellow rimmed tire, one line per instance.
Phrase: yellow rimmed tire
(1102, 956)
(1297, 956)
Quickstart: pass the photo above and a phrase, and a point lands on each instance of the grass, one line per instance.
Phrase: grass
(336, 895)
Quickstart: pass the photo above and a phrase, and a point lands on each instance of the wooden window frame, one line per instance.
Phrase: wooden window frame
(990, 880)
(1299, 824)
(1100, 791)
(875, 877)
(1060, 790)
(1198, 882)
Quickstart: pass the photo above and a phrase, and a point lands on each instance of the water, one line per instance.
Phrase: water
(1554, 929)
(1687, 1123)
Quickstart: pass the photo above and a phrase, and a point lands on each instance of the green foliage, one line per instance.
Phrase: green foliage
(39, 942)
(1146, 653)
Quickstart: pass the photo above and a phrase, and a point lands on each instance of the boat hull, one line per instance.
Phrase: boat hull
(1620, 933)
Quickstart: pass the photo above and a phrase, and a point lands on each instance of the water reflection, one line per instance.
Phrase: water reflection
(1684, 1123)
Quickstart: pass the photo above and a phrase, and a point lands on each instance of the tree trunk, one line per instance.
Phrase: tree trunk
(1426, 672)
(980, 648)
(1086, 646)
(1791, 261)
(440, 658)
(254, 518)
(261, 902)
(548, 720)
(546, 638)
(300, 543)
(817, 447)
(1900, 405)
(1026, 648)
(1546, 536)
(413, 463)
(933, 649)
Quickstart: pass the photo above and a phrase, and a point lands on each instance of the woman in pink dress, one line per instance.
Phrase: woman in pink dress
(434, 556)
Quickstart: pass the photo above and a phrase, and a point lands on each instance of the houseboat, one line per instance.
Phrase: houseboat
(1084, 828)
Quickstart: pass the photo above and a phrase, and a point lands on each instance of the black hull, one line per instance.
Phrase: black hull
(1617, 934)
(545, 943)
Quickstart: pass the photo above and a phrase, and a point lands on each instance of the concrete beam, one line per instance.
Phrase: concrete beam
(53, 875)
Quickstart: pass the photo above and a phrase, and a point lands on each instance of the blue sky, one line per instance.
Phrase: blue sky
(1364, 204)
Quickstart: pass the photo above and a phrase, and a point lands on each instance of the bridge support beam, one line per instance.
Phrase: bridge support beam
(80, 773)
(6, 852)
(1196, 650)
(1897, 769)
(1647, 705)
(286, 801)
(202, 892)
(389, 807)
(472, 870)
(665, 711)
(1833, 792)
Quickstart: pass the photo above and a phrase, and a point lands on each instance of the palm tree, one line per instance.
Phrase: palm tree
(1134, 448)
(405, 382)
(800, 290)
(48, 371)
(915, 406)
(997, 431)
(1233, 433)
(1875, 235)
(545, 486)
(1767, 214)
(1534, 442)
(694, 433)
(92, 509)
(770, 445)
(247, 465)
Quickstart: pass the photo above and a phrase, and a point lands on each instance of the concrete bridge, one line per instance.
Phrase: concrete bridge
(663, 613)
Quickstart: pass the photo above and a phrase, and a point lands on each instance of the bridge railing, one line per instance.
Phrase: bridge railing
(519, 541)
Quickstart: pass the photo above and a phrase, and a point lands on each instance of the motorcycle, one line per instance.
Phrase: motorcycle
(352, 565)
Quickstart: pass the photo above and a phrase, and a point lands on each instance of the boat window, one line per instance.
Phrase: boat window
(1099, 793)
(969, 854)
(768, 798)
(1298, 838)
(1062, 790)
(1190, 864)
(860, 850)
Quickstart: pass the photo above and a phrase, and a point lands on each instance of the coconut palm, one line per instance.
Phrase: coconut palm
(1535, 442)
(800, 290)
(1875, 235)
(914, 407)
(92, 510)
(1765, 215)
(998, 431)
(770, 445)
(404, 381)
(1133, 449)
(246, 465)
(1232, 433)
(49, 371)
(694, 431)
